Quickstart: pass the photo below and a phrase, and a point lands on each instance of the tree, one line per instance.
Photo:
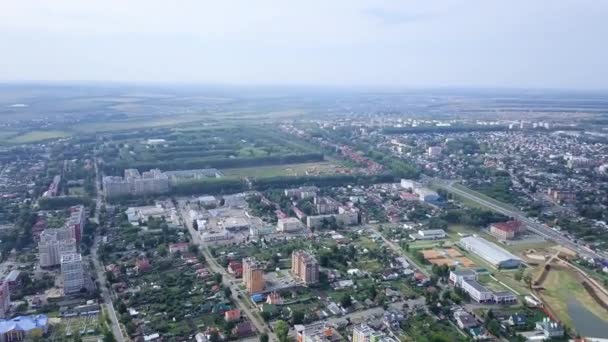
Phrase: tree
(281, 329)
(346, 301)
(494, 327)
(264, 337)
(297, 317)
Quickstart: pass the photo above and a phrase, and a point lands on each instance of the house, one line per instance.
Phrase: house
(517, 320)
(178, 247)
(243, 329)
(233, 315)
(550, 328)
(142, 265)
(390, 275)
(274, 298)
(465, 320)
(235, 268)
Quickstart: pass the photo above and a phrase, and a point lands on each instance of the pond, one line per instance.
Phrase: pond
(586, 323)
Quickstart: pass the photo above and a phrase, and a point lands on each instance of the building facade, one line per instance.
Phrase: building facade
(52, 245)
(253, 275)
(73, 272)
(304, 266)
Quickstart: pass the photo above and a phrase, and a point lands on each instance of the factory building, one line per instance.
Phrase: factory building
(490, 252)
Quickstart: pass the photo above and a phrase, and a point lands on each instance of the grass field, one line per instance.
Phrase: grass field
(561, 285)
(322, 168)
(76, 191)
(36, 136)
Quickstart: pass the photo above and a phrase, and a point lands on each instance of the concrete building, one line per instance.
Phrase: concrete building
(75, 223)
(507, 230)
(362, 333)
(234, 224)
(429, 234)
(426, 195)
(289, 224)
(302, 192)
(253, 275)
(134, 183)
(434, 151)
(315, 332)
(457, 276)
(346, 216)
(304, 266)
(72, 271)
(562, 196)
(476, 291)
(51, 247)
(326, 205)
(492, 253)
(5, 298)
(409, 184)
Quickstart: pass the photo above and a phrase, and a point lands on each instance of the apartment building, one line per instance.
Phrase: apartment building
(134, 183)
(253, 275)
(5, 298)
(305, 267)
(72, 271)
(53, 244)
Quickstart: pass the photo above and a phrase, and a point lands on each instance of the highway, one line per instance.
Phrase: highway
(532, 225)
(237, 295)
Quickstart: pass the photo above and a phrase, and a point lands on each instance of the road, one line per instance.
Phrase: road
(397, 249)
(533, 226)
(227, 279)
(99, 268)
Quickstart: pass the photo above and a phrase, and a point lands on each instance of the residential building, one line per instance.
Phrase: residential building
(289, 224)
(346, 216)
(362, 333)
(490, 252)
(73, 272)
(51, 246)
(134, 183)
(507, 230)
(5, 298)
(433, 151)
(179, 247)
(305, 267)
(232, 315)
(550, 328)
(235, 268)
(326, 205)
(14, 279)
(465, 320)
(20, 328)
(302, 192)
(253, 275)
(315, 332)
(426, 195)
(76, 221)
(562, 196)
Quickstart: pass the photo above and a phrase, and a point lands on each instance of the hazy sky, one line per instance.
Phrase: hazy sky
(510, 43)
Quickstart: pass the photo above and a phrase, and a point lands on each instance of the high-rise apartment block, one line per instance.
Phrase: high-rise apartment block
(134, 183)
(5, 298)
(304, 267)
(253, 275)
(53, 244)
(72, 271)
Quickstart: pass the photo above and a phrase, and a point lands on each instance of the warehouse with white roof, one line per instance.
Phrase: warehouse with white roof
(490, 252)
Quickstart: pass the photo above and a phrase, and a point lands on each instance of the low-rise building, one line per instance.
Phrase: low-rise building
(21, 327)
(550, 328)
(429, 234)
(506, 230)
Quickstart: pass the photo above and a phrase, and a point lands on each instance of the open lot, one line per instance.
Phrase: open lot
(304, 169)
(36, 136)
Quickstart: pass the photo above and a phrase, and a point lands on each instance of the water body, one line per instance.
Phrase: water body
(586, 322)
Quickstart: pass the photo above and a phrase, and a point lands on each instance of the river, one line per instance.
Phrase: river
(586, 323)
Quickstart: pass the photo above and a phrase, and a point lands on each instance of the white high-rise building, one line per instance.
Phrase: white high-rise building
(53, 244)
(73, 272)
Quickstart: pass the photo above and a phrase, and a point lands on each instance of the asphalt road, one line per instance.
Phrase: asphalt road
(99, 269)
(227, 280)
(533, 226)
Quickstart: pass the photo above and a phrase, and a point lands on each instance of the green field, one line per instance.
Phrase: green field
(36, 136)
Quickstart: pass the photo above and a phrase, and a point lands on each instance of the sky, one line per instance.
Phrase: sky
(376, 43)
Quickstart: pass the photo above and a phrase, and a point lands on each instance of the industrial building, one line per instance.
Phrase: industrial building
(253, 275)
(304, 267)
(429, 234)
(72, 271)
(490, 252)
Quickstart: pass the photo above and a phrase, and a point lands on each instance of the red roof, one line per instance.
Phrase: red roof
(509, 226)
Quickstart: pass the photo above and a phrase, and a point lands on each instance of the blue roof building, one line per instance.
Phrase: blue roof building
(18, 328)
